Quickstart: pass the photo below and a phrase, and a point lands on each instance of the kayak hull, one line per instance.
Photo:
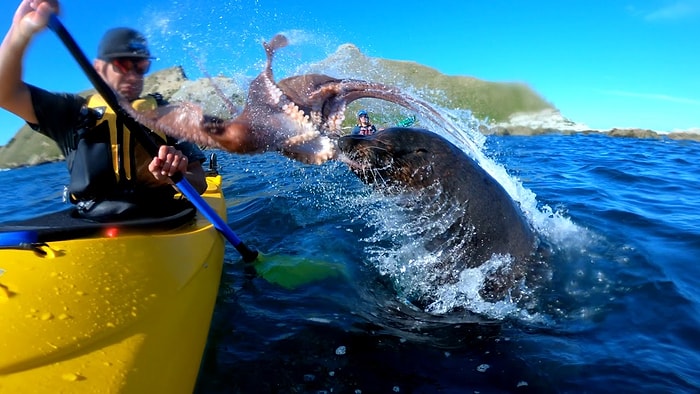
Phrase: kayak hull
(120, 312)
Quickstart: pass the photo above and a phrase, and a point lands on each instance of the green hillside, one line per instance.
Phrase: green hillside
(492, 100)
(28, 147)
(495, 101)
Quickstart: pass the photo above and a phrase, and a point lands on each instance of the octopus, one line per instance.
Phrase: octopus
(299, 116)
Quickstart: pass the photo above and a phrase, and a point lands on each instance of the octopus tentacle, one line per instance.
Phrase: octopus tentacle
(178, 120)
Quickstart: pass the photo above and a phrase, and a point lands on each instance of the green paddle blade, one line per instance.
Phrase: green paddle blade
(291, 272)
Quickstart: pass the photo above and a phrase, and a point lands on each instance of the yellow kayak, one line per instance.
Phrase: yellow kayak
(119, 310)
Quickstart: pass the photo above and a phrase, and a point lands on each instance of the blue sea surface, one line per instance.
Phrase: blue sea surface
(325, 308)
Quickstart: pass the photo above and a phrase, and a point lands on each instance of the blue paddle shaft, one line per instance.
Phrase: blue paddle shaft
(205, 209)
(142, 134)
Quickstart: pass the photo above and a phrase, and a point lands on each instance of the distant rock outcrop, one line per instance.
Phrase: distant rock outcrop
(551, 121)
(166, 82)
(204, 93)
(692, 134)
(29, 148)
(533, 123)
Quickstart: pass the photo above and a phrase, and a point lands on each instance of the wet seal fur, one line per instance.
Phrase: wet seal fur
(487, 222)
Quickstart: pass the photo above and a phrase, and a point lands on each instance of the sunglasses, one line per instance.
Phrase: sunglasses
(125, 65)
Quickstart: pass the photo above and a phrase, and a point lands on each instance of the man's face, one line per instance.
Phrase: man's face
(124, 75)
(364, 119)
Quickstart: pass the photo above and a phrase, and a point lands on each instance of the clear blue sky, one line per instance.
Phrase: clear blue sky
(619, 63)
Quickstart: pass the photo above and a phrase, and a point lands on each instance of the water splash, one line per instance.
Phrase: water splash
(400, 230)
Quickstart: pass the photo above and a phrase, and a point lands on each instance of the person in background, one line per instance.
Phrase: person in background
(111, 175)
(363, 126)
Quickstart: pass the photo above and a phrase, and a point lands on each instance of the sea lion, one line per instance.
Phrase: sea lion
(487, 223)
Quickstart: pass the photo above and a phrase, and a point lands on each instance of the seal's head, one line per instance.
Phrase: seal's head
(396, 156)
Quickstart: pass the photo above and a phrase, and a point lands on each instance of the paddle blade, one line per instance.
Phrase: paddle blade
(292, 272)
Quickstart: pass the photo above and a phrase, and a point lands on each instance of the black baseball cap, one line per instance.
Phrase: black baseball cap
(123, 42)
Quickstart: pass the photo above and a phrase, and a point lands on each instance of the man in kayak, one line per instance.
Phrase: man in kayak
(111, 174)
(363, 126)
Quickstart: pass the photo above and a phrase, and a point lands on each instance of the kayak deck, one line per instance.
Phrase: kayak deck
(125, 310)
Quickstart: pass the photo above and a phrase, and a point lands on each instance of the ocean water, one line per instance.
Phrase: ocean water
(325, 308)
